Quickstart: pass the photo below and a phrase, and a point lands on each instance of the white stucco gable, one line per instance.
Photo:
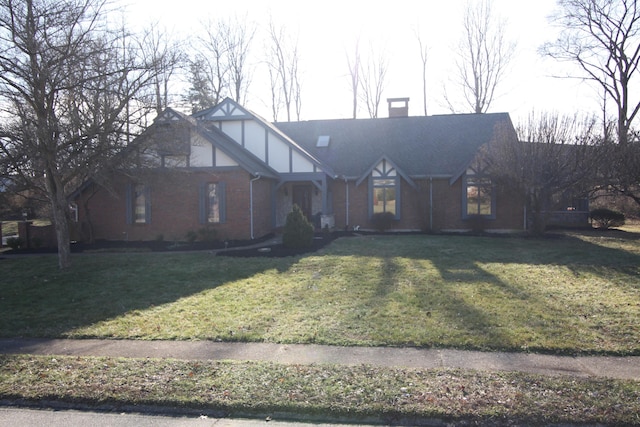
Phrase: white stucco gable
(259, 138)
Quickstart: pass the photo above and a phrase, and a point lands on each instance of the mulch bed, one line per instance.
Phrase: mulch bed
(233, 247)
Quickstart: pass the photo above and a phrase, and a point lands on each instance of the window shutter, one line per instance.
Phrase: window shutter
(202, 203)
(222, 189)
(129, 204)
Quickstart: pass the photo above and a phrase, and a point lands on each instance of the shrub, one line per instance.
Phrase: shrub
(37, 242)
(208, 233)
(298, 231)
(606, 218)
(14, 242)
(382, 221)
(191, 236)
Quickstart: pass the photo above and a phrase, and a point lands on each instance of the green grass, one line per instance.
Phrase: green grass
(322, 391)
(574, 294)
(579, 293)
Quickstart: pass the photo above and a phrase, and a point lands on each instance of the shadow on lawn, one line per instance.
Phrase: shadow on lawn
(530, 317)
(51, 303)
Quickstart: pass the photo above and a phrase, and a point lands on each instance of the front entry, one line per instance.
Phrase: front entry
(302, 198)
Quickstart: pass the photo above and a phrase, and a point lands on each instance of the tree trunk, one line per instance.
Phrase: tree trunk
(62, 235)
(60, 220)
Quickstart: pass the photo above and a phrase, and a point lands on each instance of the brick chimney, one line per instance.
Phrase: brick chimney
(398, 107)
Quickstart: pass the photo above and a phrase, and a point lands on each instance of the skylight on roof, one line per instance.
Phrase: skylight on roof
(323, 141)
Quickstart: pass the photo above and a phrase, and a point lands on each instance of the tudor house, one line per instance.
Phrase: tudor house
(227, 171)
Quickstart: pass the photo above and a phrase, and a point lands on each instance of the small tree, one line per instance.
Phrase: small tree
(298, 231)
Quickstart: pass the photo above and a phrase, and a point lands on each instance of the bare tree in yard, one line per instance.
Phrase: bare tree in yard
(553, 156)
(602, 37)
(283, 59)
(66, 83)
(485, 54)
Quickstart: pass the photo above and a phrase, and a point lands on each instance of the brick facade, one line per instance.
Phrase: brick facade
(175, 205)
(445, 214)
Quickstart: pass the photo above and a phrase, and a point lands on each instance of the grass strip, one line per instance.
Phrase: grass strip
(327, 391)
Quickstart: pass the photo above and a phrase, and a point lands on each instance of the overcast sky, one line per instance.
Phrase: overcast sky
(327, 30)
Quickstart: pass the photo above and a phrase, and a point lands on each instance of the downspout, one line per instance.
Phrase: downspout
(346, 216)
(431, 204)
(251, 202)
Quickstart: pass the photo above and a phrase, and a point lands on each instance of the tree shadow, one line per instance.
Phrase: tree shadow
(38, 300)
(530, 317)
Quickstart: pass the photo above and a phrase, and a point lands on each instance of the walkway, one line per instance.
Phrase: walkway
(585, 366)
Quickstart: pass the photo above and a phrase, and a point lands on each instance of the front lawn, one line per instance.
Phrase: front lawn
(568, 294)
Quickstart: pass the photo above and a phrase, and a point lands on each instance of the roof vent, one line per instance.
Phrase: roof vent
(398, 107)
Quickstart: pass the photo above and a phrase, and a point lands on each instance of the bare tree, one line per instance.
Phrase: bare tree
(167, 56)
(485, 54)
(603, 38)
(239, 37)
(424, 50)
(283, 59)
(553, 156)
(209, 67)
(65, 86)
(354, 77)
(372, 81)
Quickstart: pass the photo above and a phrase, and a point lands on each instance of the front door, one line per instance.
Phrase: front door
(302, 198)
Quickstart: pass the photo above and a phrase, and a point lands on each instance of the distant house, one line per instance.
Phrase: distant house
(227, 171)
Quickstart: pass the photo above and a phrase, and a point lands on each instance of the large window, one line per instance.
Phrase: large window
(384, 195)
(384, 189)
(479, 196)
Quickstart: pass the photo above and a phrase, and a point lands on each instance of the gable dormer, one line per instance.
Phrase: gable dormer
(260, 138)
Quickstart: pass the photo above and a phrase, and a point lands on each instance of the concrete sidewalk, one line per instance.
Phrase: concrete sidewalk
(586, 366)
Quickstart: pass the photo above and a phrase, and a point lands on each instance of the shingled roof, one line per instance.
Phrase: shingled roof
(420, 146)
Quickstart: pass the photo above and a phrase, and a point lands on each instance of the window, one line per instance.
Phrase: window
(384, 195)
(138, 204)
(212, 202)
(479, 196)
(384, 189)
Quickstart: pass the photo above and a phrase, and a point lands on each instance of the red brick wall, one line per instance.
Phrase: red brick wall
(446, 212)
(175, 198)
